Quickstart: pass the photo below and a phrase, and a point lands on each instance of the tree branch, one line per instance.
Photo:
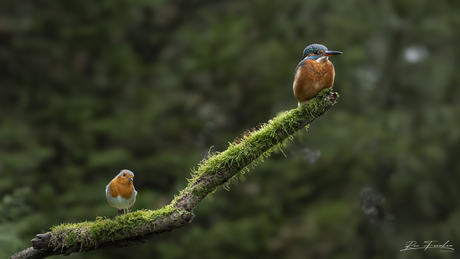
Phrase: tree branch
(217, 169)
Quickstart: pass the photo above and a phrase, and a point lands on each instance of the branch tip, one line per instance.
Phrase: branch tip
(41, 241)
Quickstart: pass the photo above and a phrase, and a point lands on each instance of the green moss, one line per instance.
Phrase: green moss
(257, 145)
(253, 148)
(69, 234)
(71, 238)
(88, 233)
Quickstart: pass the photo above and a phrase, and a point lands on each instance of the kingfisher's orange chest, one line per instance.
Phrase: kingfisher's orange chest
(312, 77)
(121, 187)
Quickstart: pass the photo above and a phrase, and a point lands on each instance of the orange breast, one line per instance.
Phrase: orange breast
(311, 78)
(121, 187)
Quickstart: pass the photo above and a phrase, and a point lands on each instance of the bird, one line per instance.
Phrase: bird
(120, 192)
(314, 72)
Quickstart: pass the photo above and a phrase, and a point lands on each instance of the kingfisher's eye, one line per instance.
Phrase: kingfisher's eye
(316, 52)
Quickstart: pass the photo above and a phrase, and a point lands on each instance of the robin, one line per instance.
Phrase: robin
(120, 192)
(314, 73)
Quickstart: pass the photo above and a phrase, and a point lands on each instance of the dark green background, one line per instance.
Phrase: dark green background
(88, 88)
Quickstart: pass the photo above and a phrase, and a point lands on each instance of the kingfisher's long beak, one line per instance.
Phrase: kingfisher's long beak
(331, 53)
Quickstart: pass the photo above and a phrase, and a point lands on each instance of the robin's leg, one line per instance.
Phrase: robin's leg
(130, 208)
(120, 211)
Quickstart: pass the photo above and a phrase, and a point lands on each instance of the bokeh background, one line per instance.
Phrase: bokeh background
(88, 88)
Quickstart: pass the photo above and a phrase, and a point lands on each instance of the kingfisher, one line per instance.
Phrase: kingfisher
(314, 73)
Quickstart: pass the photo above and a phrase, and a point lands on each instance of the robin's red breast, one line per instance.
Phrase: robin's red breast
(120, 192)
(314, 73)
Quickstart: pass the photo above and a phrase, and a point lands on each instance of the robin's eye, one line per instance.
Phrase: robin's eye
(124, 174)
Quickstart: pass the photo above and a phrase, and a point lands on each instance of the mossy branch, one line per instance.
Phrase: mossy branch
(217, 169)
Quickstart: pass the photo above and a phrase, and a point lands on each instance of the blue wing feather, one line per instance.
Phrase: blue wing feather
(301, 64)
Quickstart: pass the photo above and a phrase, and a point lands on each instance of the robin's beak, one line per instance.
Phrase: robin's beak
(331, 53)
(131, 179)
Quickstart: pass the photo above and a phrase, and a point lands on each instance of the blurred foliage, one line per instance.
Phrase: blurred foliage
(88, 88)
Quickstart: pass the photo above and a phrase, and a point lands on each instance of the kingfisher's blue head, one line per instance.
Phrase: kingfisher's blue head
(318, 51)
